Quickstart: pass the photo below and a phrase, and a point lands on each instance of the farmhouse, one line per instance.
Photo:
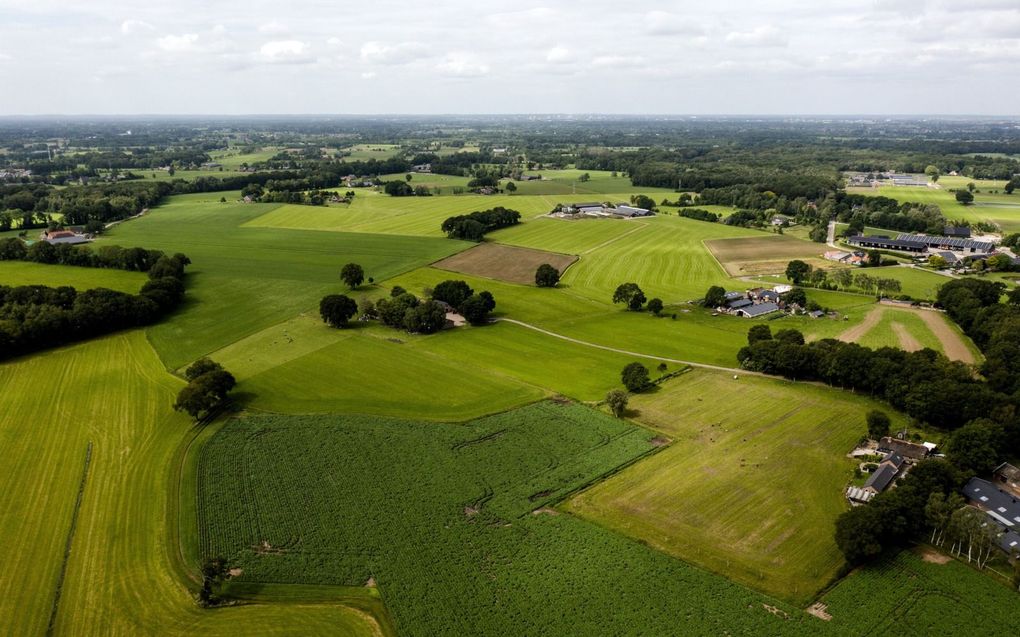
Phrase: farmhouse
(422, 168)
(886, 243)
(908, 180)
(1003, 510)
(909, 450)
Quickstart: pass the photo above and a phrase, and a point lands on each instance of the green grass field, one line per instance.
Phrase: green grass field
(121, 578)
(998, 208)
(601, 183)
(751, 485)
(15, 273)
(244, 280)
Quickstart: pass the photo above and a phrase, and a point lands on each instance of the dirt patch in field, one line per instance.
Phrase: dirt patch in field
(858, 331)
(819, 610)
(763, 254)
(545, 511)
(952, 342)
(778, 612)
(660, 441)
(504, 263)
(235, 572)
(932, 556)
(907, 341)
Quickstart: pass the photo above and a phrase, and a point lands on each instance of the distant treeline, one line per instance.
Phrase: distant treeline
(35, 317)
(116, 257)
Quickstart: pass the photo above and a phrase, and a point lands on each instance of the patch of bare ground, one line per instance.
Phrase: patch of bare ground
(235, 572)
(504, 263)
(545, 511)
(907, 340)
(818, 609)
(858, 331)
(660, 441)
(371, 582)
(470, 511)
(952, 342)
(930, 555)
(778, 612)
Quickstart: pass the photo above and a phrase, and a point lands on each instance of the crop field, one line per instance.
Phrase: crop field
(246, 279)
(505, 263)
(120, 577)
(15, 273)
(476, 550)
(763, 253)
(910, 596)
(751, 485)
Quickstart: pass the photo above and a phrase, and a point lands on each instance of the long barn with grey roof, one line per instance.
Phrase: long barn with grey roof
(956, 244)
(1002, 507)
(887, 243)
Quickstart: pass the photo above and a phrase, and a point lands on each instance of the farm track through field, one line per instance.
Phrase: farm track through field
(857, 332)
(907, 341)
(629, 353)
(952, 343)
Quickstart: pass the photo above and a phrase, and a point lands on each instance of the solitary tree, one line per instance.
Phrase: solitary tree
(878, 424)
(547, 276)
(617, 401)
(932, 172)
(337, 309)
(655, 306)
(715, 296)
(214, 571)
(631, 295)
(511, 187)
(760, 332)
(635, 377)
(964, 196)
(353, 275)
(797, 271)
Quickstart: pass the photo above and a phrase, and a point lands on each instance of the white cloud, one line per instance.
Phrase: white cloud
(178, 43)
(368, 75)
(392, 54)
(285, 52)
(618, 61)
(334, 43)
(4, 57)
(462, 65)
(273, 27)
(663, 23)
(559, 55)
(510, 19)
(761, 36)
(130, 27)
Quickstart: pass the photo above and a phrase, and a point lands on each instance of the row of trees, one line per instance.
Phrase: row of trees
(36, 317)
(801, 273)
(699, 214)
(107, 256)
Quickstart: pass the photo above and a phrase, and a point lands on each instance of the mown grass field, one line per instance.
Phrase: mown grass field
(246, 279)
(751, 485)
(15, 273)
(600, 183)
(120, 578)
(997, 208)
(441, 517)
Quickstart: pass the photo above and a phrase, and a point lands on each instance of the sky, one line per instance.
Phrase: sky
(453, 57)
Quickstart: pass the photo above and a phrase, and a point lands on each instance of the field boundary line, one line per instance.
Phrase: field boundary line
(665, 359)
(70, 540)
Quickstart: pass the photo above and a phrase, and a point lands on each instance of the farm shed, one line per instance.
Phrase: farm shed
(630, 211)
(1008, 475)
(739, 303)
(1002, 508)
(886, 243)
(754, 311)
(955, 244)
(857, 495)
(960, 232)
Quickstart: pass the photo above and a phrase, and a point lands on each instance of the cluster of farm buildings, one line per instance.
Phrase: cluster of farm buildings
(874, 180)
(72, 235)
(757, 302)
(598, 209)
(998, 499)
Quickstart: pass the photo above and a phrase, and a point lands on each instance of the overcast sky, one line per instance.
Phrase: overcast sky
(595, 56)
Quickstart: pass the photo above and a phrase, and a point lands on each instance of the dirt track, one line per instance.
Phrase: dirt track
(952, 343)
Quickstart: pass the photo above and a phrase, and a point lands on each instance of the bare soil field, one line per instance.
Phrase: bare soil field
(951, 341)
(504, 263)
(764, 254)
